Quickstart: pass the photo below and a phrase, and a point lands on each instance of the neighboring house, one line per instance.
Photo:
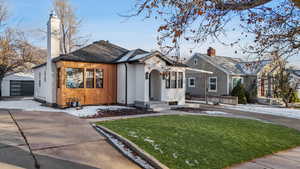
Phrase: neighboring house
(227, 73)
(18, 84)
(104, 73)
(295, 79)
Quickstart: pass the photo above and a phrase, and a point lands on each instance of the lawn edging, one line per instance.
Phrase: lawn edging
(146, 156)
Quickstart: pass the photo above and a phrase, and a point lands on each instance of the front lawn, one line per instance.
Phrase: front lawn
(186, 141)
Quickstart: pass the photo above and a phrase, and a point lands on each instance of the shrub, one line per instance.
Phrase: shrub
(240, 92)
(294, 98)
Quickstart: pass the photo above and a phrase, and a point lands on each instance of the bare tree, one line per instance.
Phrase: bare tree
(70, 26)
(16, 53)
(273, 22)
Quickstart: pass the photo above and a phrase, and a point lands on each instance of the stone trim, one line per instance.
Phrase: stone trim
(144, 155)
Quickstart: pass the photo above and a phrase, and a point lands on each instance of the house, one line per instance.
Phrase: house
(18, 84)
(227, 73)
(295, 79)
(104, 73)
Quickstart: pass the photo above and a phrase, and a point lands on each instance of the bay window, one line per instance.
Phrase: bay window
(75, 77)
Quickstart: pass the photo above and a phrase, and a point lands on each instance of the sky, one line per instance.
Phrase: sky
(101, 20)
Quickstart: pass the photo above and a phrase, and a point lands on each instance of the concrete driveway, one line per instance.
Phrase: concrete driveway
(57, 140)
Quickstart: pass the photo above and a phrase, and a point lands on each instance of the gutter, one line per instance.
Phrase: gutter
(126, 81)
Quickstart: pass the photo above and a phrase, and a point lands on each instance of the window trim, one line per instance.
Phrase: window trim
(168, 80)
(189, 81)
(209, 83)
(242, 80)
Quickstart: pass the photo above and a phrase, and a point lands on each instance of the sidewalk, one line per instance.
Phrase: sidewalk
(289, 159)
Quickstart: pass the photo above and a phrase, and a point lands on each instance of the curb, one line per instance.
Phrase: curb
(144, 155)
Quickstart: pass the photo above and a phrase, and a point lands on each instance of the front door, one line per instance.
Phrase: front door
(154, 86)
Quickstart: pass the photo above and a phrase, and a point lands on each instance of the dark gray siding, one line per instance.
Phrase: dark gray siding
(199, 89)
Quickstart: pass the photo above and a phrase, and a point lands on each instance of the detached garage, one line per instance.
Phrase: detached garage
(19, 84)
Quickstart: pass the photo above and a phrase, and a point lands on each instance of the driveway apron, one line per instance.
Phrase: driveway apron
(58, 140)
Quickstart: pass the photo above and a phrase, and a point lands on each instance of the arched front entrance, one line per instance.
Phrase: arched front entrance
(155, 86)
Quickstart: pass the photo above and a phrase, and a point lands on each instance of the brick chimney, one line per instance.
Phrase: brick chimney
(211, 51)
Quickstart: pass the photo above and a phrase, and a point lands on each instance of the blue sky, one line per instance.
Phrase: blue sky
(101, 21)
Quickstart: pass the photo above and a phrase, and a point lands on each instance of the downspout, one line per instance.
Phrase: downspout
(125, 84)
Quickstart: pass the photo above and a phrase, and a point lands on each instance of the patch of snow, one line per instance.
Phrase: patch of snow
(155, 146)
(189, 163)
(122, 147)
(31, 105)
(265, 109)
(214, 112)
(133, 134)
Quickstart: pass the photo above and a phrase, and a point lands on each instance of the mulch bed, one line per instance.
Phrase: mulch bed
(121, 112)
(189, 109)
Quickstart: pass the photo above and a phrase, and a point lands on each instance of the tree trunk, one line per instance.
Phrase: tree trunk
(286, 103)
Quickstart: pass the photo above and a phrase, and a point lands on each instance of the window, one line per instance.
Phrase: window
(99, 78)
(58, 78)
(173, 79)
(212, 84)
(74, 78)
(89, 78)
(40, 77)
(180, 79)
(192, 82)
(45, 76)
(167, 78)
(236, 81)
(195, 61)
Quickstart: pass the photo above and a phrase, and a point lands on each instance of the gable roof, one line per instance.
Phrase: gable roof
(106, 52)
(97, 52)
(235, 66)
(226, 64)
(139, 55)
(294, 72)
(253, 67)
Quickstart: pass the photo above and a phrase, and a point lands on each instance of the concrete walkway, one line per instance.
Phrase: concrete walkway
(57, 140)
(289, 159)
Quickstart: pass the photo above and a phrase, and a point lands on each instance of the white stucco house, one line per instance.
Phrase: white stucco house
(150, 77)
(105, 73)
(18, 84)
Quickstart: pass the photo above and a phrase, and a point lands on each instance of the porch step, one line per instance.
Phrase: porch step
(158, 106)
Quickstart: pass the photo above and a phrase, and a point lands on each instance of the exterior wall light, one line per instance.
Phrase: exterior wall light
(147, 75)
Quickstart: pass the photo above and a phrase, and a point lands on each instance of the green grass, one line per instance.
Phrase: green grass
(203, 142)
